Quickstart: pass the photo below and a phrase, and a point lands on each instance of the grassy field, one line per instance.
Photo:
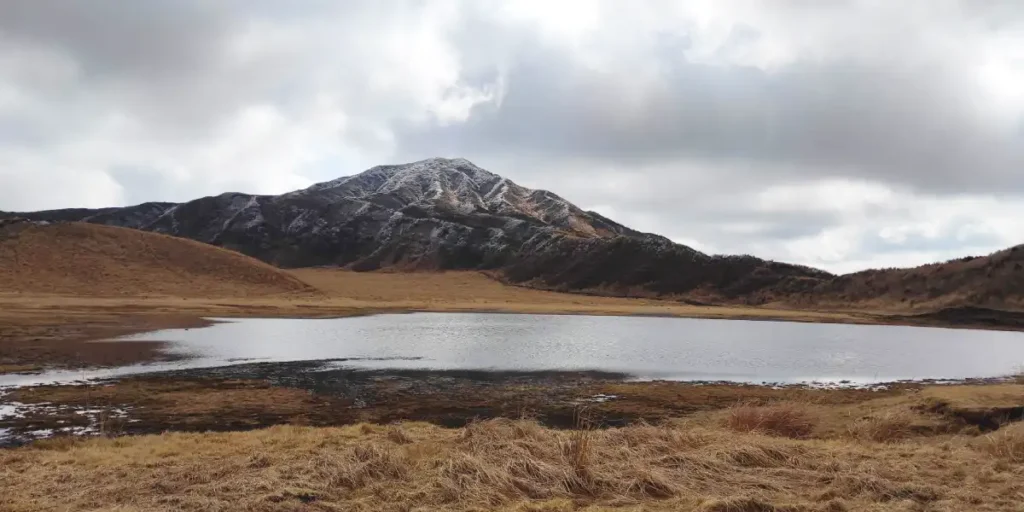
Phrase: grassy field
(88, 260)
(803, 454)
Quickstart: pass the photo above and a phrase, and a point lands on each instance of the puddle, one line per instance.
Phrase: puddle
(17, 420)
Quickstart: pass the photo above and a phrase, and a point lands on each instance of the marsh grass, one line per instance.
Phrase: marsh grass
(1006, 443)
(518, 465)
(884, 427)
(782, 420)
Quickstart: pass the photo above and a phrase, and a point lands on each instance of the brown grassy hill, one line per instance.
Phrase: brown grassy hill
(994, 281)
(86, 259)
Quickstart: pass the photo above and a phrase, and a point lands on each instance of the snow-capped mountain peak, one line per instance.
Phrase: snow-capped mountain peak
(456, 185)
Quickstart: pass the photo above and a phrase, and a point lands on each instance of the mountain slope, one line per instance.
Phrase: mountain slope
(449, 214)
(90, 260)
(992, 281)
(436, 213)
(442, 213)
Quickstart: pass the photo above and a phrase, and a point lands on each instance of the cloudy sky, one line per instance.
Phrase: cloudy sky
(838, 134)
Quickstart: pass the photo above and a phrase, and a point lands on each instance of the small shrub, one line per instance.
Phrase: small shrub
(785, 420)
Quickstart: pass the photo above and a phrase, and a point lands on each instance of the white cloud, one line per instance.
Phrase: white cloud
(840, 134)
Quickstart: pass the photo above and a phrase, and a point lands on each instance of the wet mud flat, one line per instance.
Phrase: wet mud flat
(255, 395)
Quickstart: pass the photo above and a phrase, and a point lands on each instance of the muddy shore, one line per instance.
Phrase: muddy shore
(256, 395)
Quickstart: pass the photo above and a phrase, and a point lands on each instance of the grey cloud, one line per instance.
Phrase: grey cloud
(900, 122)
(739, 229)
(687, 142)
(157, 38)
(168, 68)
(949, 239)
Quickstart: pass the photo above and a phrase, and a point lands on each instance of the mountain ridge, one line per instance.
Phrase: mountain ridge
(442, 213)
(398, 196)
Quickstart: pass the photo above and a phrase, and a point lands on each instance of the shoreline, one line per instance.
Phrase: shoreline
(254, 395)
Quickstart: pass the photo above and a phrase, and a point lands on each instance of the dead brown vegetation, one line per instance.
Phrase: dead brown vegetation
(992, 281)
(783, 449)
(1007, 443)
(477, 291)
(784, 420)
(92, 260)
(885, 426)
(507, 465)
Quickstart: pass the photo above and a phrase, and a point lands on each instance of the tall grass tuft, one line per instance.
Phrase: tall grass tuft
(1006, 443)
(886, 427)
(783, 420)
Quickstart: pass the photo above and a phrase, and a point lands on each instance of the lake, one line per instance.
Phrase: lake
(642, 347)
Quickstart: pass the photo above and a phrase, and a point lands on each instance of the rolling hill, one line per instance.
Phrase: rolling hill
(994, 281)
(90, 260)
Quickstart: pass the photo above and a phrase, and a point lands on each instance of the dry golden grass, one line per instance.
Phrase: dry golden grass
(19, 368)
(784, 420)
(1007, 443)
(1002, 395)
(92, 260)
(511, 465)
(884, 427)
(475, 291)
(343, 292)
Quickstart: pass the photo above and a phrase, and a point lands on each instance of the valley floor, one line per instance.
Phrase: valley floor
(39, 330)
(393, 440)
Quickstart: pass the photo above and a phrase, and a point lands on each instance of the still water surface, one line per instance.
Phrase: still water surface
(644, 347)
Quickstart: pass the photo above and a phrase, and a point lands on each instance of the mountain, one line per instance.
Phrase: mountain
(450, 214)
(84, 259)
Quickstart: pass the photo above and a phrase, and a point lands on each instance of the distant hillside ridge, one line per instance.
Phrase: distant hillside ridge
(993, 281)
(72, 258)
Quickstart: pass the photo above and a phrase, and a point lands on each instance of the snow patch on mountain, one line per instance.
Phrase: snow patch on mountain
(456, 185)
(439, 211)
